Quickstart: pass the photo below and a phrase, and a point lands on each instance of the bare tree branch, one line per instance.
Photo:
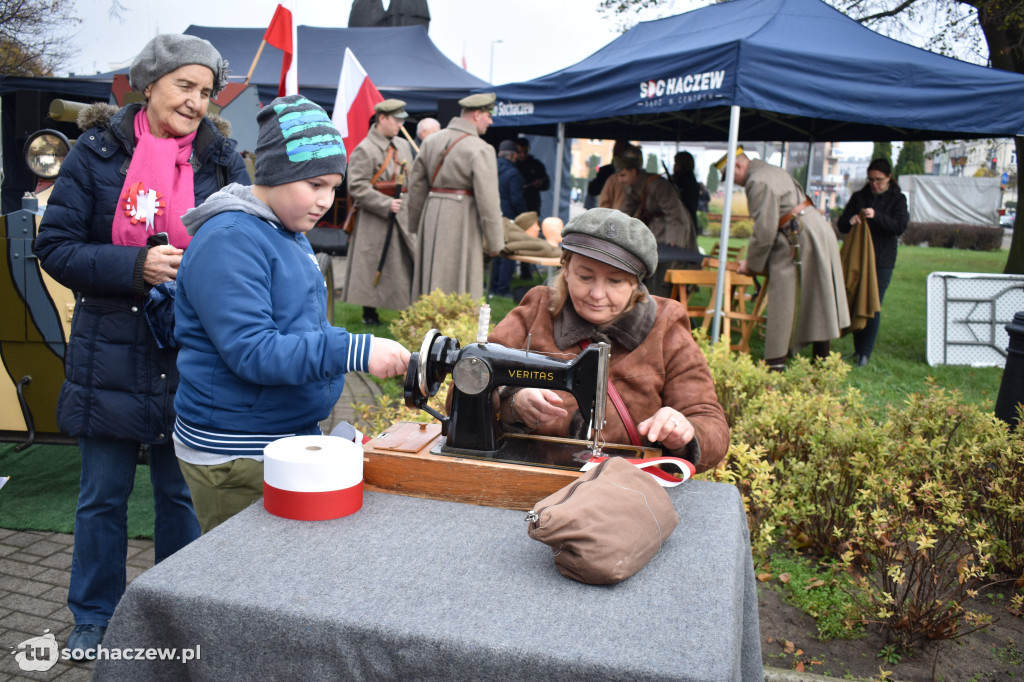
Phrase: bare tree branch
(887, 13)
(31, 36)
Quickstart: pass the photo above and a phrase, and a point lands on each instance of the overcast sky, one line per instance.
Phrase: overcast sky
(536, 37)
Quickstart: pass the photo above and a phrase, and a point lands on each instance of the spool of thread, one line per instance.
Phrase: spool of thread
(483, 323)
(312, 478)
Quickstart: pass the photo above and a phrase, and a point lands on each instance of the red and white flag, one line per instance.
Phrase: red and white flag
(281, 34)
(353, 105)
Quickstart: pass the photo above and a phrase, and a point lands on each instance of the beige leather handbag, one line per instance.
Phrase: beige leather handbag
(606, 525)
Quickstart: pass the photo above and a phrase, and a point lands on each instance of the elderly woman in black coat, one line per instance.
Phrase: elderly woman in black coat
(111, 232)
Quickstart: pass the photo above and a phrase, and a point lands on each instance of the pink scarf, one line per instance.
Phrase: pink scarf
(157, 190)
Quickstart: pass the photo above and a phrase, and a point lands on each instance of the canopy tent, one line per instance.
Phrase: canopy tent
(782, 69)
(799, 69)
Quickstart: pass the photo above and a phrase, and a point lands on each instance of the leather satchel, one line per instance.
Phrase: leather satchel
(606, 525)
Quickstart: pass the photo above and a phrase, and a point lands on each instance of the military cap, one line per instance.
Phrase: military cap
(720, 164)
(392, 107)
(481, 100)
(614, 238)
(526, 220)
(631, 157)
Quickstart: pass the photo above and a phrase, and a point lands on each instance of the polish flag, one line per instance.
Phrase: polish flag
(281, 34)
(353, 105)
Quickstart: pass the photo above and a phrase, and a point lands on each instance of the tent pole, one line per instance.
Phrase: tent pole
(810, 162)
(723, 239)
(559, 151)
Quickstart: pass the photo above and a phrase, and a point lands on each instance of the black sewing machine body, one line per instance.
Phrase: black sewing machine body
(474, 428)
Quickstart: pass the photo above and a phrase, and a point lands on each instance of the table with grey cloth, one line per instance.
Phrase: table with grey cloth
(418, 589)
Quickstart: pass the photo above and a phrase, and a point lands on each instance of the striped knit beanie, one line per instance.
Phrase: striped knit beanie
(297, 141)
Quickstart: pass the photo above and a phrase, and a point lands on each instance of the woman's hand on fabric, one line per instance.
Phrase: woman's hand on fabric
(538, 406)
(396, 205)
(388, 358)
(668, 427)
(743, 269)
(161, 264)
(855, 220)
(868, 212)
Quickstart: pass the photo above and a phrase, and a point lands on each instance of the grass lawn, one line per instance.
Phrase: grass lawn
(898, 366)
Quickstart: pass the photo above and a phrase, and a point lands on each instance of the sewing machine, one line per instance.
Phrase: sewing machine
(475, 429)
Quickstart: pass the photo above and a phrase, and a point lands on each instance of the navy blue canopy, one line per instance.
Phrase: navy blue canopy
(401, 61)
(799, 69)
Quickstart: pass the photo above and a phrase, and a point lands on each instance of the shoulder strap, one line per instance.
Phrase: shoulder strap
(445, 155)
(641, 212)
(387, 159)
(620, 407)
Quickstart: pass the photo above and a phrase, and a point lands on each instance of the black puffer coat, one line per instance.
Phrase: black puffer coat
(118, 383)
(890, 221)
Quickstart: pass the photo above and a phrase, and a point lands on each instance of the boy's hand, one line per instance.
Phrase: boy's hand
(388, 359)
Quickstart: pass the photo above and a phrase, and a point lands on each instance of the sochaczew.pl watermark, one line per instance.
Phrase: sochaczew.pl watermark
(39, 654)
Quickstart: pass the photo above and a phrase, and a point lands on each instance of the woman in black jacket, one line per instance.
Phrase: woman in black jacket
(130, 176)
(883, 205)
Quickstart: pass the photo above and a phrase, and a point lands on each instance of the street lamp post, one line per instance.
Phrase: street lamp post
(490, 75)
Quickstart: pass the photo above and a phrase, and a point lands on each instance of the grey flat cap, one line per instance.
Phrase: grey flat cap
(169, 51)
(612, 237)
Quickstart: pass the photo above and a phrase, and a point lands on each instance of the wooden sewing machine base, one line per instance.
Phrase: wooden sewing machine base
(405, 459)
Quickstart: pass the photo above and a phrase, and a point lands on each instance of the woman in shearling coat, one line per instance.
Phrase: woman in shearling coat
(656, 366)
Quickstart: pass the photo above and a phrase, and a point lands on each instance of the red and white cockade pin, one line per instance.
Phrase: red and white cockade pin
(143, 204)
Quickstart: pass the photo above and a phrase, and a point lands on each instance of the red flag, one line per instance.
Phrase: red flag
(353, 105)
(281, 34)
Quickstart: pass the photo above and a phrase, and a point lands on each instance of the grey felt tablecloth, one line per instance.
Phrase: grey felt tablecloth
(425, 590)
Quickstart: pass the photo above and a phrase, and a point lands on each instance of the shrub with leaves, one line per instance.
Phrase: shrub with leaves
(917, 556)
(974, 451)
(738, 378)
(453, 315)
(749, 470)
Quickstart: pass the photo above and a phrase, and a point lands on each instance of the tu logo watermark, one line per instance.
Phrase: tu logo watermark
(38, 654)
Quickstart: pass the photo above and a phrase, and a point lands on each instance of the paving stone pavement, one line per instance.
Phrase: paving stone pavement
(35, 569)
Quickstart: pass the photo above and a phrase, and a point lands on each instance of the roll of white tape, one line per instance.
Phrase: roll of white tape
(312, 478)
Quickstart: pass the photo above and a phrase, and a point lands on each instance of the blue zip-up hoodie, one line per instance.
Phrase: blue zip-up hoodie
(258, 355)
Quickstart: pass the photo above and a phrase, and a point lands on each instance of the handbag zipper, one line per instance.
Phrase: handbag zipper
(534, 514)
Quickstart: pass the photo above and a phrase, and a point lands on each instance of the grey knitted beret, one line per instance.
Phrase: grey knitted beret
(296, 141)
(169, 51)
(612, 237)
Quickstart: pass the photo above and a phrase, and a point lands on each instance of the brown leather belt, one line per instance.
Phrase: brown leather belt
(784, 220)
(448, 190)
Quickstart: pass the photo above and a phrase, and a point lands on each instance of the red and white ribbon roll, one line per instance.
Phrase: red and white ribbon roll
(667, 480)
(312, 478)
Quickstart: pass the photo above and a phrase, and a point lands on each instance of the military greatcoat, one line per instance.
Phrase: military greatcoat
(817, 287)
(662, 211)
(455, 228)
(366, 243)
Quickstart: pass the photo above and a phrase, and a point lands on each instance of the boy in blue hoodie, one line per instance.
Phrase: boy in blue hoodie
(259, 360)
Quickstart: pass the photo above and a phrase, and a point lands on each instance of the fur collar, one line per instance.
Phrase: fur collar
(100, 113)
(628, 330)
